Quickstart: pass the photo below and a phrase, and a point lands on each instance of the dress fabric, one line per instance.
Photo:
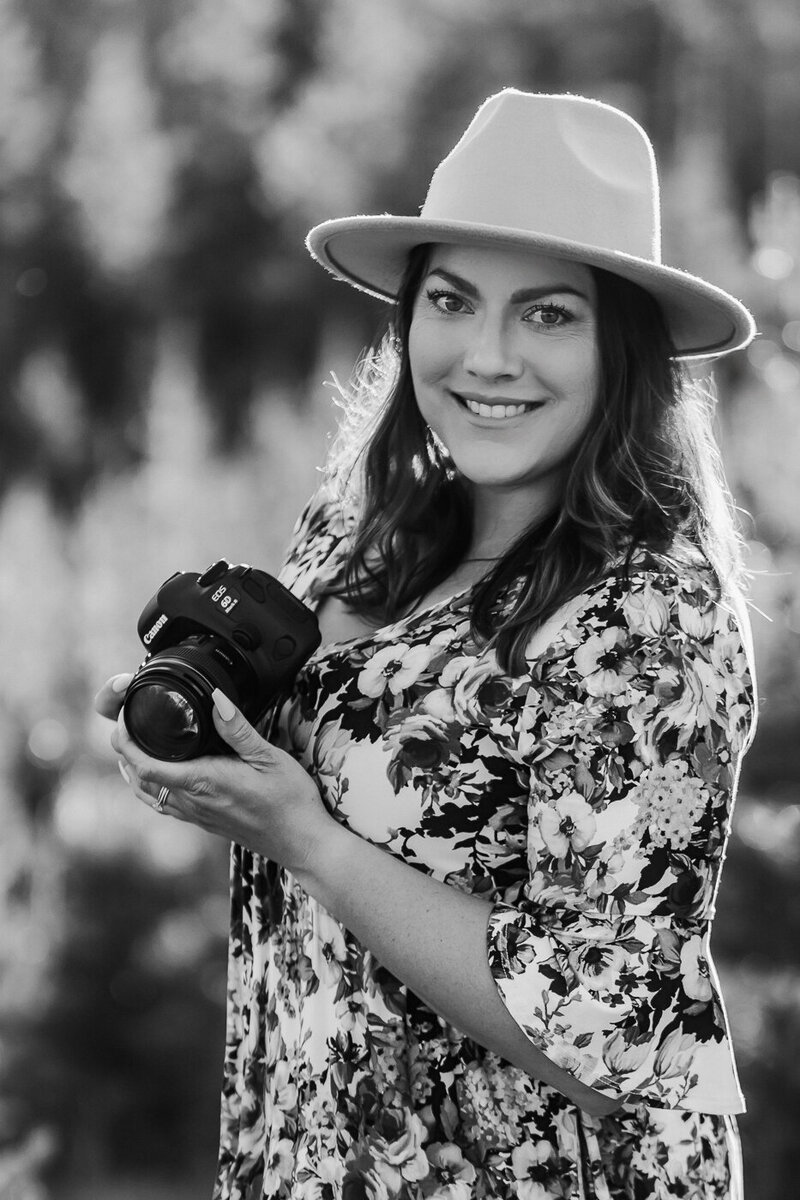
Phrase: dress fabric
(588, 801)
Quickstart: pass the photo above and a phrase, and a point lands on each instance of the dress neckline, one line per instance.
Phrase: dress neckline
(416, 616)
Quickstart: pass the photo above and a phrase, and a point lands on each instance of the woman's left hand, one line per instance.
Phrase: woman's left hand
(259, 797)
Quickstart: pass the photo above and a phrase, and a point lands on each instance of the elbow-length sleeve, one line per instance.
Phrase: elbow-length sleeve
(631, 735)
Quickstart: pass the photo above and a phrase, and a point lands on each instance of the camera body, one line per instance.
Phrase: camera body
(231, 627)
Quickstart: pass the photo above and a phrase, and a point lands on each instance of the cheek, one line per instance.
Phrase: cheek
(430, 351)
(587, 389)
(418, 358)
(581, 392)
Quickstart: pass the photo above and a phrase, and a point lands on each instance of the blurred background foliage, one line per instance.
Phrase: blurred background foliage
(163, 345)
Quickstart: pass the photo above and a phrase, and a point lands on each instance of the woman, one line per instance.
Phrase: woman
(473, 878)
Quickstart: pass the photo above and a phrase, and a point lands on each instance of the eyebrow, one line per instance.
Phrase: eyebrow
(519, 297)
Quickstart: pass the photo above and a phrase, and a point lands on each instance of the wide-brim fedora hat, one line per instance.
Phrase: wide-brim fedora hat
(563, 175)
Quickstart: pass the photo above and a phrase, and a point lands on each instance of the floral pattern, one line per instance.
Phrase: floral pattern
(588, 802)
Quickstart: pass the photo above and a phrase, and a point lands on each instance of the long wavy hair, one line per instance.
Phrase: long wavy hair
(647, 476)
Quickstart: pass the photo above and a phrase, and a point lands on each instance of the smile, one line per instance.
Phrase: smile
(497, 410)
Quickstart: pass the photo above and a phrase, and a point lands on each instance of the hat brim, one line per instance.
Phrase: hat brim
(370, 252)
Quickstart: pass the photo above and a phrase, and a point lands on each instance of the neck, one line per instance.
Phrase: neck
(500, 517)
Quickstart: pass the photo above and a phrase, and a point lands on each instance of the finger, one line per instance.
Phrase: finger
(172, 806)
(108, 700)
(238, 732)
(151, 773)
(151, 797)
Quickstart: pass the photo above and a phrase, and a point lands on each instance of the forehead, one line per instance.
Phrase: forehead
(510, 267)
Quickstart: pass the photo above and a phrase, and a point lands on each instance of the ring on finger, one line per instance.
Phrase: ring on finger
(163, 794)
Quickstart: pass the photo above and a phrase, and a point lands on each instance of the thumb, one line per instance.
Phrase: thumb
(236, 730)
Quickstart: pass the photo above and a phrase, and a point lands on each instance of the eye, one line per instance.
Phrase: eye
(548, 316)
(447, 302)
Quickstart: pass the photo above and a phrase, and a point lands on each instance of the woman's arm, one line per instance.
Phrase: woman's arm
(432, 937)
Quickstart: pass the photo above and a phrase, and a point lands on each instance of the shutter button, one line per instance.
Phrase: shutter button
(214, 572)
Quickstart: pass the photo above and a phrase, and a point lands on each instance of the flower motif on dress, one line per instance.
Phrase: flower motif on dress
(279, 1164)
(646, 611)
(332, 948)
(532, 1169)
(363, 1181)
(674, 1056)
(697, 615)
(325, 1182)
(439, 703)
(284, 1089)
(418, 741)
(395, 667)
(352, 1015)
(451, 1177)
(692, 893)
(622, 1056)
(402, 1159)
(604, 664)
(618, 864)
(567, 825)
(694, 970)
(671, 802)
(596, 963)
(330, 748)
(479, 690)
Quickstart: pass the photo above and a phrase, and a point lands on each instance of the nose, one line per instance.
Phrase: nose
(490, 353)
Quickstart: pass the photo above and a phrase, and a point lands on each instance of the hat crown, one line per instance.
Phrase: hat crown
(563, 167)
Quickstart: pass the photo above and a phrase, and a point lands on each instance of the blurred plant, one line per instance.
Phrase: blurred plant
(128, 1046)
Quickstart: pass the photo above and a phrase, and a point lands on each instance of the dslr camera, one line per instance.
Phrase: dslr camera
(233, 627)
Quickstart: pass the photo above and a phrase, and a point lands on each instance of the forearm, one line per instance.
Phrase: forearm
(432, 937)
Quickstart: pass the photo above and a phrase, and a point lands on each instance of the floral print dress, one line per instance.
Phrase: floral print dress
(588, 802)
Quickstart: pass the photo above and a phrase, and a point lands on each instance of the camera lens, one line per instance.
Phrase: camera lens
(168, 706)
(163, 721)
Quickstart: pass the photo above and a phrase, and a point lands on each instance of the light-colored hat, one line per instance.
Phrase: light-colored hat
(563, 175)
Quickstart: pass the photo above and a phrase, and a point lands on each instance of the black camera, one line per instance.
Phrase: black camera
(235, 628)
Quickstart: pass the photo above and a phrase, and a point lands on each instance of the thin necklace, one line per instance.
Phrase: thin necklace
(469, 560)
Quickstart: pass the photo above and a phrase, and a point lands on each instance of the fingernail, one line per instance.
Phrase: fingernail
(120, 683)
(123, 772)
(222, 704)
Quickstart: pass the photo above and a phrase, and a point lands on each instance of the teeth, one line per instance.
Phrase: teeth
(497, 412)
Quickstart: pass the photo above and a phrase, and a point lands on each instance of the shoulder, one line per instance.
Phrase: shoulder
(658, 645)
(321, 530)
(323, 513)
(656, 591)
(654, 608)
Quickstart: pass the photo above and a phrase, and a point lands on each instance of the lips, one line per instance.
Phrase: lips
(496, 410)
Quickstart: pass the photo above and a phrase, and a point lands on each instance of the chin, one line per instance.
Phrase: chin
(483, 474)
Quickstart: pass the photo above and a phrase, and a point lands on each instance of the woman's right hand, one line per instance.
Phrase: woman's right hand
(108, 700)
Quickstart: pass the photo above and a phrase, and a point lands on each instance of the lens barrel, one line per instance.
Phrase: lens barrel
(168, 705)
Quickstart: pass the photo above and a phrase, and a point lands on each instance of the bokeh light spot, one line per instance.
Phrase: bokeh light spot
(782, 375)
(48, 741)
(761, 352)
(791, 335)
(773, 263)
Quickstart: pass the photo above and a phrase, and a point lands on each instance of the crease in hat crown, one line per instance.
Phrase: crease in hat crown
(563, 175)
(505, 171)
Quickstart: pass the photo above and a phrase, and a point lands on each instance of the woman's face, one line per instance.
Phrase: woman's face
(504, 361)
